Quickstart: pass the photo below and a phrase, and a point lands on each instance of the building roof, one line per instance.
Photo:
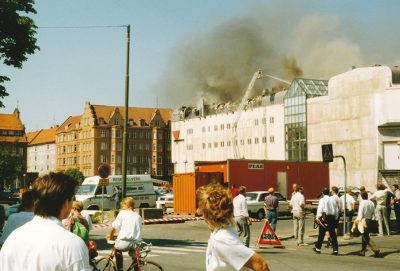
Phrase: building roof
(10, 122)
(134, 113)
(70, 124)
(43, 136)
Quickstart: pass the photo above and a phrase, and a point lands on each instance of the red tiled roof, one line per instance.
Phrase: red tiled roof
(10, 122)
(135, 113)
(42, 137)
(69, 125)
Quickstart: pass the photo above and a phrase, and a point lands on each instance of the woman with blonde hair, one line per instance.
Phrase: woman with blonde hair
(76, 210)
(225, 250)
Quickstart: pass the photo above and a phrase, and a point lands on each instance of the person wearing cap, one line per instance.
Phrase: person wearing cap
(271, 204)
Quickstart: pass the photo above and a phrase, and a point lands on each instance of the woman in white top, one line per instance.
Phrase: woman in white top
(225, 250)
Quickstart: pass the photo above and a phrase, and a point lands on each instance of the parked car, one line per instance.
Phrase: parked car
(165, 201)
(9, 197)
(255, 203)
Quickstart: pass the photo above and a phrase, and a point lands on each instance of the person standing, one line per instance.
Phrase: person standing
(327, 214)
(271, 204)
(297, 204)
(362, 189)
(128, 224)
(380, 198)
(43, 243)
(225, 250)
(24, 215)
(76, 215)
(365, 214)
(350, 207)
(396, 204)
(117, 197)
(234, 191)
(241, 215)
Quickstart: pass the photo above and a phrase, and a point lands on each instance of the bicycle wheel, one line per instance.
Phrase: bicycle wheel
(146, 266)
(106, 264)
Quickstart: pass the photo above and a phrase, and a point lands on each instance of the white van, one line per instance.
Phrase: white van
(140, 187)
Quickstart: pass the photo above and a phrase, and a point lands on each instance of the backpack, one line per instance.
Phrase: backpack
(80, 230)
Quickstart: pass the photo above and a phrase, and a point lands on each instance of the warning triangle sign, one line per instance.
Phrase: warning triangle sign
(268, 236)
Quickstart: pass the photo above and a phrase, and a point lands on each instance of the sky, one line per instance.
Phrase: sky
(184, 50)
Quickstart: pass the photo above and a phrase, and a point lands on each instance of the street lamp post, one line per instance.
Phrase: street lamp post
(124, 141)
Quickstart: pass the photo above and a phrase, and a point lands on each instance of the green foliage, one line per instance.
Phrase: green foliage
(17, 35)
(11, 166)
(76, 174)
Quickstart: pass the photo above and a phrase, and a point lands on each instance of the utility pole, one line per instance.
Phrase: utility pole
(124, 140)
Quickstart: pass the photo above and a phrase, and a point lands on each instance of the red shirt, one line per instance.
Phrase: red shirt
(235, 192)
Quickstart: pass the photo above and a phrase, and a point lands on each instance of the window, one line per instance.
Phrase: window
(131, 122)
(242, 142)
(209, 145)
(228, 143)
(203, 129)
(215, 127)
(116, 121)
(264, 139)
(221, 127)
(271, 119)
(215, 144)
(256, 122)
(159, 159)
(189, 147)
(103, 158)
(221, 143)
(249, 141)
(189, 131)
(228, 126)
(256, 140)
(103, 146)
(204, 145)
(264, 121)
(118, 133)
(142, 122)
(271, 139)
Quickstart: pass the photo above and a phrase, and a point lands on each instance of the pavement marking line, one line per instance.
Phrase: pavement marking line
(168, 252)
(184, 249)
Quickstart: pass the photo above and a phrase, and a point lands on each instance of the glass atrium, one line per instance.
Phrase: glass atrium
(295, 103)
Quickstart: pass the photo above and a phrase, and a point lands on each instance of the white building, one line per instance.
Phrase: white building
(41, 151)
(208, 133)
(360, 116)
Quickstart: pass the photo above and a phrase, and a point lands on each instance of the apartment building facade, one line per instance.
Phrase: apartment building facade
(96, 137)
(13, 141)
(41, 151)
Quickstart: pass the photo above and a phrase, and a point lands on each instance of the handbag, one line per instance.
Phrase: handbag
(80, 230)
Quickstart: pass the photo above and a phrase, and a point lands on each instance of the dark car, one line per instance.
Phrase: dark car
(8, 197)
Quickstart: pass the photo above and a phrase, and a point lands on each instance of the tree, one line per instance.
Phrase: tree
(17, 36)
(11, 166)
(76, 174)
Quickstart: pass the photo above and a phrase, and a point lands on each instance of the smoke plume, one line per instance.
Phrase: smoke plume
(219, 65)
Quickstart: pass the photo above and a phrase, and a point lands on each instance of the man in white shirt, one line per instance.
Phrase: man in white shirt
(380, 198)
(241, 215)
(297, 204)
(128, 224)
(18, 219)
(327, 214)
(365, 214)
(43, 243)
(350, 205)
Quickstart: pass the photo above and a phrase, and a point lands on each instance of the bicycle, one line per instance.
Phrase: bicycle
(138, 255)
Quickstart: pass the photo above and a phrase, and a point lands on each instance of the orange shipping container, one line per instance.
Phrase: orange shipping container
(185, 186)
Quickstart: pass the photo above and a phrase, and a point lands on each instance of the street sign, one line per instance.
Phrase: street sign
(327, 153)
(103, 182)
(104, 171)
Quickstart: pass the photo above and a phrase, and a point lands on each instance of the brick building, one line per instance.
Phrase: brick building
(95, 137)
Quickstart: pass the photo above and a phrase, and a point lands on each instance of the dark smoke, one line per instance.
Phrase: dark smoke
(219, 65)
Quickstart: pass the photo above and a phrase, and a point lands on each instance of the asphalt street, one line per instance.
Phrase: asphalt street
(182, 246)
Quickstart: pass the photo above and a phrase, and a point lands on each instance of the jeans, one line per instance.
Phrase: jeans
(272, 217)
